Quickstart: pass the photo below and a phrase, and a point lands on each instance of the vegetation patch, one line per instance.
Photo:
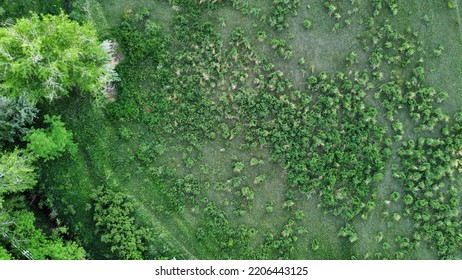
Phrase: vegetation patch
(240, 130)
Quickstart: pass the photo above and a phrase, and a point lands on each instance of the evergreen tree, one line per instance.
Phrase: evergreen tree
(16, 114)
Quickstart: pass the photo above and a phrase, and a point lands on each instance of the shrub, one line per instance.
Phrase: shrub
(114, 216)
(307, 23)
(50, 143)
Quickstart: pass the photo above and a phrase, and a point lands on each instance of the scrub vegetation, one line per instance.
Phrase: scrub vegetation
(231, 129)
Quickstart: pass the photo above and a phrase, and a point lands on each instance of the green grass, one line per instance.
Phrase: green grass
(444, 28)
(159, 10)
(105, 158)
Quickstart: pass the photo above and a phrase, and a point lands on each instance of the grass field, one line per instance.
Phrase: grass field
(108, 156)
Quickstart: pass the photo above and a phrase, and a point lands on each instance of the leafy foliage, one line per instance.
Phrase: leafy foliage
(50, 143)
(13, 9)
(16, 114)
(282, 9)
(16, 173)
(191, 99)
(38, 245)
(19, 232)
(4, 255)
(432, 201)
(115, 222)
(48, 56)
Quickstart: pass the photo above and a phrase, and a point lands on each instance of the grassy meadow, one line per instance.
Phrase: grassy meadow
(203, 183)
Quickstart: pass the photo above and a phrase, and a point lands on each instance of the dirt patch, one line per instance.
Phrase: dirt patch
(118, 55)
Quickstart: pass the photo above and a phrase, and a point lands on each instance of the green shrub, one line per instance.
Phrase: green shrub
(51, 142)
(115, 222)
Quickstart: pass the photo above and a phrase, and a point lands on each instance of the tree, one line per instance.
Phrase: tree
(16, 114)
(16, 173)
(348, 231)
(238, 167)
(27, 241)
(50, 143)
(395, 196)
(247, 193)
(4, 255)
(115, 222)
(47, 56)
(20, 8)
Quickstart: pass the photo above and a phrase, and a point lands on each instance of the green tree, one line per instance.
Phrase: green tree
(247, 193)
(307, 23)
(50, 143)
(115, 221)
(21, 8)
(16, 173)
(4, 255)
(16, 114)
(30, 242)
(315, 244)
(395, 196)
(48, 56)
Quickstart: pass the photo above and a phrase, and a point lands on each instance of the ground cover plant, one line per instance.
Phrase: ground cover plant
(285, 129)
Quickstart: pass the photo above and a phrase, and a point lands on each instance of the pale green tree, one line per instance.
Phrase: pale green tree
(46, 57)
(16, 173)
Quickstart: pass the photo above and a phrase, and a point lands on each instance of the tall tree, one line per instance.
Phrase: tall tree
(115, 222)
(16, 173)
(48, 56)
(16, 114)
(26, 241)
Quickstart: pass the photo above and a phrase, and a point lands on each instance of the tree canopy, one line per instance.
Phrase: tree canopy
(45, 57)
(51, 142)
(16, 114)
(16, 173)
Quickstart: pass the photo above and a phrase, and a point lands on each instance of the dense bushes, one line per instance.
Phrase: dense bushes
(24, 240)
(332, 148)
(283, 9)
(427, 172)
(29, 242)
(116, 223)
(51, 142)
(10, 10)
(145, 55)
(331, 140)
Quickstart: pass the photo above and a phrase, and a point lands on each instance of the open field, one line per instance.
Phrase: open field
(186, 142)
